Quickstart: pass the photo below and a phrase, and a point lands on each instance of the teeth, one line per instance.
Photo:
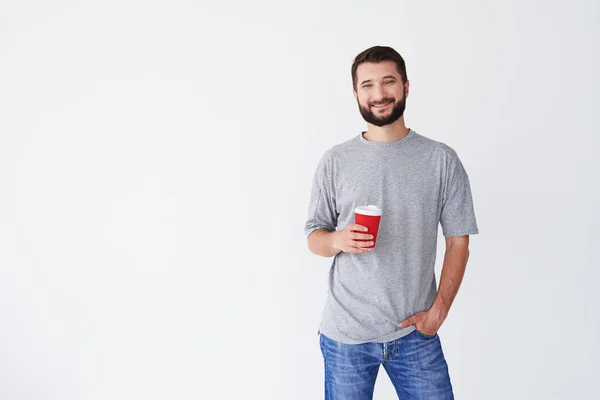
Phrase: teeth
(383, 105)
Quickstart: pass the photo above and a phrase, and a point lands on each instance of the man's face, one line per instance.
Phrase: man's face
(380, 93)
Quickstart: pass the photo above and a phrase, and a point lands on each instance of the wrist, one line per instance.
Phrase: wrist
(439, 311)
(334, 245)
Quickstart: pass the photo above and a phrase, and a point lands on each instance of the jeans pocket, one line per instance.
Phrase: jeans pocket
(425, 335)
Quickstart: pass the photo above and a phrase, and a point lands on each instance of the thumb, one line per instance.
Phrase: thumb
(408, 321)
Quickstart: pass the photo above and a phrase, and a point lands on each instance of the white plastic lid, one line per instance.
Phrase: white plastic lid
(368, 210)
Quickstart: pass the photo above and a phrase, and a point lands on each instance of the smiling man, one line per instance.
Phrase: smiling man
(384, 306)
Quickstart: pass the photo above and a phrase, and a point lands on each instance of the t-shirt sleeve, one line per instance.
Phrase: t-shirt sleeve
(457, 216)
(322, 212)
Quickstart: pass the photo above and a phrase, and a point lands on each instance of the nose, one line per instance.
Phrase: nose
(378, 93)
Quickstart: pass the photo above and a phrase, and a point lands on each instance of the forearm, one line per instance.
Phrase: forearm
(321, 243)
(453, 270)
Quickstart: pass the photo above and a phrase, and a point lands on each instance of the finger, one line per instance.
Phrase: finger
(408, 321)
(361, 243)
(358, 243)
(362, 236)
(358, 250)
(417, 318)
(358, 228)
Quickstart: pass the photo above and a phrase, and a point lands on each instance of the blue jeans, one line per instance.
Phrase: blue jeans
(415, 364)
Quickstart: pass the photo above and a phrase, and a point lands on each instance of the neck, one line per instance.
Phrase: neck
(387, 133)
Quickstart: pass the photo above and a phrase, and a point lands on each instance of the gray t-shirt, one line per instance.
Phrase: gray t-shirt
(419, 183)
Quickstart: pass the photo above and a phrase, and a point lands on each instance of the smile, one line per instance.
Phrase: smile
(384, 105)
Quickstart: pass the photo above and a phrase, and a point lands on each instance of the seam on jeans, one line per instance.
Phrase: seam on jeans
(327, 387)
(395, 378)
(328, 395)
(325, 381)
(396, 348)
(385, 352)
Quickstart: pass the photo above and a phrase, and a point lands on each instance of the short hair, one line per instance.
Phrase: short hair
(378, 54)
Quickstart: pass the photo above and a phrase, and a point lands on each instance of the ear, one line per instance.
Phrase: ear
(355, 95)
(406, 88)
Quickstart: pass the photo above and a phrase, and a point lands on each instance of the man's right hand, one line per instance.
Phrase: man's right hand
(352, 239)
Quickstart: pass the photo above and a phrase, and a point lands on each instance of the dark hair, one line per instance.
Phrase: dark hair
(378, 54)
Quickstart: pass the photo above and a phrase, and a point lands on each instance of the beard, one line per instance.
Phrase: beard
(397, 112)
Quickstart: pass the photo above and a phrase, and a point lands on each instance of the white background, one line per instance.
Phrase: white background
(155, 167)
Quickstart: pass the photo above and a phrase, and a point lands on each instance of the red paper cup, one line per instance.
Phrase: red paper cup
(368, 216)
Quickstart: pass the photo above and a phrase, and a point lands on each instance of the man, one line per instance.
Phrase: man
(383, 305)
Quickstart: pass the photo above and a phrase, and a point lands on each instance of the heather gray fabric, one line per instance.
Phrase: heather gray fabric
(419, 184)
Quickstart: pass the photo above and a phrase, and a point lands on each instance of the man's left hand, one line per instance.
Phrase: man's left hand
(426, 322)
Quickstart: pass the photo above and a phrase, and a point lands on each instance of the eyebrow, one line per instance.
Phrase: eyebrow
(385, 77)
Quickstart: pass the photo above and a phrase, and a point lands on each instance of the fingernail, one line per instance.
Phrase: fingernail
(365, 229)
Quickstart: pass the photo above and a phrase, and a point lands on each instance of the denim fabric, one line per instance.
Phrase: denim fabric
(415, 364)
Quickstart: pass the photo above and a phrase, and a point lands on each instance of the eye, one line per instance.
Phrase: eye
(390, 82)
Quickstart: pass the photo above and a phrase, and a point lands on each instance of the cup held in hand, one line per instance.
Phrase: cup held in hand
(369, 216)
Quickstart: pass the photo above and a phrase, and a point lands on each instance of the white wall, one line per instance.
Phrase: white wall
(155, 167)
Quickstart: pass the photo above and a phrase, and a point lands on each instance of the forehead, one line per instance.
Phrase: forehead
(376, 70)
